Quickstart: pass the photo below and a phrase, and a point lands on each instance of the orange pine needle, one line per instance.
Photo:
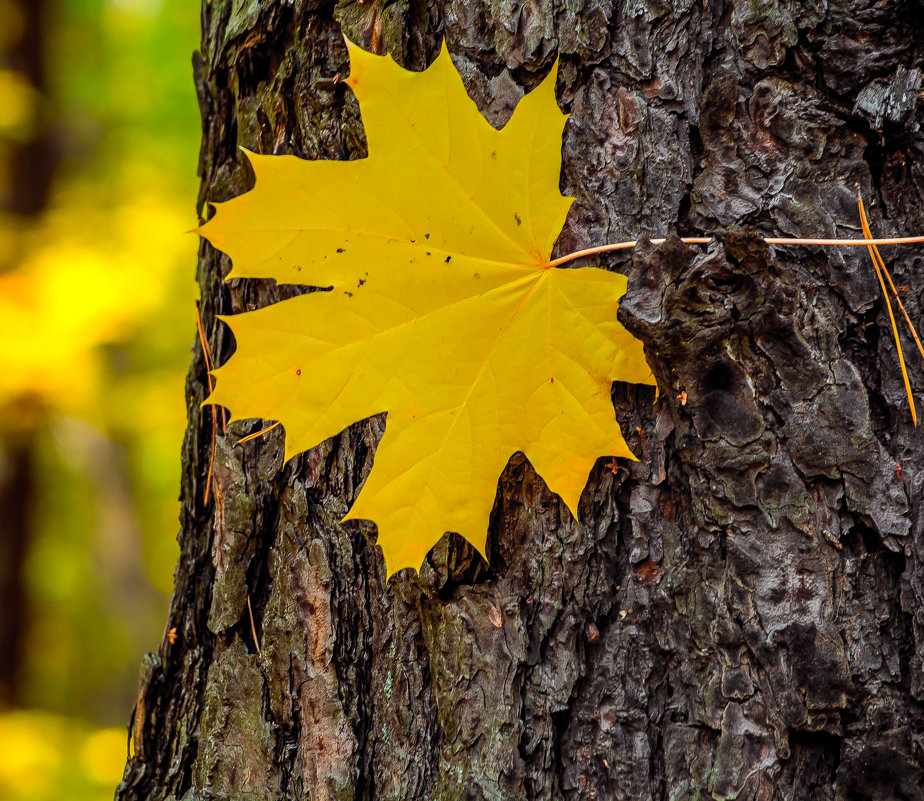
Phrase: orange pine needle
(705, 240)
(879, 266)
(253, 629)
(868, 241)
(208, 367)
(897, 292)
(249, 437)
(204, 343)
(209, 364)
(208, 477)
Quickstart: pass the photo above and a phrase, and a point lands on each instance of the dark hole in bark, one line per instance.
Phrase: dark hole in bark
(718, 379)
(725, 282)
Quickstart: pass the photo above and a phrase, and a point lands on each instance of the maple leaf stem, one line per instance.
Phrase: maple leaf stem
(705, 240)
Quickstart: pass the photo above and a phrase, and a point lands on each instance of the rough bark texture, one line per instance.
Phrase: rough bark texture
(740, 613)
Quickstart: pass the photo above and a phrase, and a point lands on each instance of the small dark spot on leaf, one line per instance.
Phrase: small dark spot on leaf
(428, 252)
(340, 250)
(477, 275)
(448, 259)
(493, 154)
(348, 294)
(517, 218)
(426, 236)
(552, 379)
(298, 371)
(361, 282)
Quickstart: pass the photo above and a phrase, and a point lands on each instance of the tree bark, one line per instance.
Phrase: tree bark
(740, 613)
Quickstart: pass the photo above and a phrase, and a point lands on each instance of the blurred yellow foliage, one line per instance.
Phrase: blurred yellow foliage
(97, 318)
(49, 758)
(75, 290)
(12, 23)
(20, 103)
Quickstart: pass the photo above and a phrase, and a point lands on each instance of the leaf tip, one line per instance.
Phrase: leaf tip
(254, 159)
(358, 58)
(396, 565)
(211, 400)
(571, 503)
(391, 571)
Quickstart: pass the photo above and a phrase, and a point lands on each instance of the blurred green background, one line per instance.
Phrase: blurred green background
(99, 135)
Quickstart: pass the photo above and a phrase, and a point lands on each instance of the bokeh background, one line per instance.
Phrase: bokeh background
(99, 135)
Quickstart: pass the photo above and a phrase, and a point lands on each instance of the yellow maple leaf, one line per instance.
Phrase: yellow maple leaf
(444, 310)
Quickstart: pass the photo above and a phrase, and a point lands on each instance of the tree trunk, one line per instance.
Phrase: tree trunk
(740, 613)
(27, 166)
